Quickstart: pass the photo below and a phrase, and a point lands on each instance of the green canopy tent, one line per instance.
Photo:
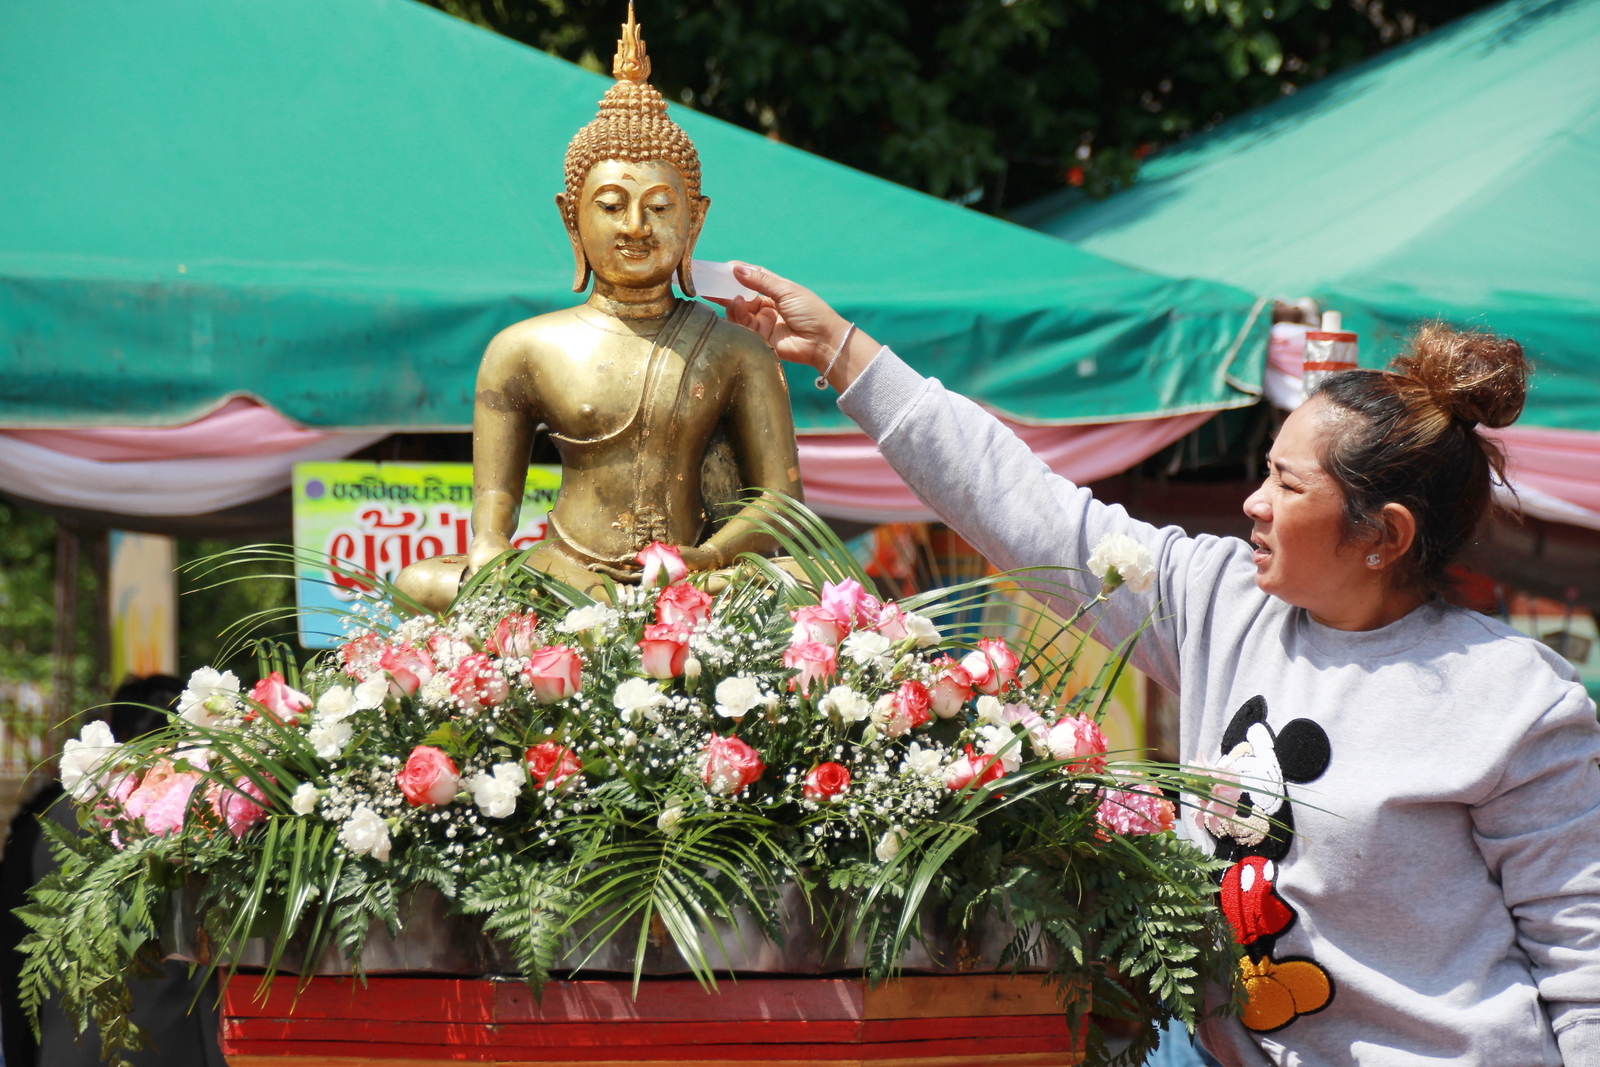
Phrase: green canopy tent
(333, 206)
(1457, 177)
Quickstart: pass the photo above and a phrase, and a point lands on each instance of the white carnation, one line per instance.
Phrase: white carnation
(922, 629)
(336, 705)
(998, 739)
(638, 695)
(495, 791)
(667, 822)
(587, 618)
(846, 702)
(736, 696)
(365, 834)
(888, 846)
(923, 762)
(304, 801)
(211, 695)
(867, 648)
(371, 693)
(449, 651)
(1120, 560)
(329, 738)
(83, 757)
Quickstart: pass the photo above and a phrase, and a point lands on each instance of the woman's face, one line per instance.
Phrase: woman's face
(1301, 554)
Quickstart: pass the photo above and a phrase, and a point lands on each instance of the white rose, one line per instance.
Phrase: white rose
(371, 693)
(691, 667)
(210, 696)
(846, 702)
(923, 762)
(888, 846)
(496, 791)
(637, 695)
(1120, 560)
(867, 649)
(922, 629)
(736, 696)
(989, 708)
(304, 801)
(336, 704)
(366, 834)
(83, 757)
(329, 738)
(667, 822)
(587, 618)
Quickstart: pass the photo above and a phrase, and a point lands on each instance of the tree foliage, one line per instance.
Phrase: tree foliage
(990, 102)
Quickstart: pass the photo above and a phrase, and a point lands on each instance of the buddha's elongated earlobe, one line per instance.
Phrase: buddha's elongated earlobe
(697, 208)
(580, 275)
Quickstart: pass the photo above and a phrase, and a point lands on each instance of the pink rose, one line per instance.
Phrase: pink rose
(813, 660)
(161, 800)
(657, 557)
(429, 777)
(952, 688)
(972, 769)
(1140, 810)
(993, 667)
(513, 636)
(908, 710)
(728, 765)
(664, 649)
(407, 667)
(553, 766)
(239, 813)
(475, 682)
(555, 672)
(283, 704)
(1078, 738)
(682, 602)
(827, 781)
(850, 602)
(360, 657)
(819, 624)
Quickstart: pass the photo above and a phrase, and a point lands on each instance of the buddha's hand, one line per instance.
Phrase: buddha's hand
(800, 326)
(696, 559)
(483, 550)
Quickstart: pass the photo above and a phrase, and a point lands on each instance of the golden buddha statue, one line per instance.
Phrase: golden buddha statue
(662, 411)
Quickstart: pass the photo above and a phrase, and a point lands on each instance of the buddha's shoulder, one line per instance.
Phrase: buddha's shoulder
(737, 341)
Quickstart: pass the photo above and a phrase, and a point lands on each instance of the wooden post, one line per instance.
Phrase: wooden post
(65, 646)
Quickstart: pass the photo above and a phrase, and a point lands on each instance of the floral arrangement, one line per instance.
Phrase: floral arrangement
(568, 768)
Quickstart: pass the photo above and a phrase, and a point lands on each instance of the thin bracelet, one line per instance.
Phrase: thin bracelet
(822, 379)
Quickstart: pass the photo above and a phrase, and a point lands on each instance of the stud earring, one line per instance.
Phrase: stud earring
(1374, 559)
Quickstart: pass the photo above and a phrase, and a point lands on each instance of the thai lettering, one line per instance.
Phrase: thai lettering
(386, 540)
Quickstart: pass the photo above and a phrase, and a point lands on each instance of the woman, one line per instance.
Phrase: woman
(1418, 880)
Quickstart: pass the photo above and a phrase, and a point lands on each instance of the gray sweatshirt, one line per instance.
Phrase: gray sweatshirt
(1429, 891)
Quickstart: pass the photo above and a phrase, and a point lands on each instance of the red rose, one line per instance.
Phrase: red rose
(513, 636)
(682, 602)
(827, 781)
(728, 765)
(908, 710)
(476, 682)
(551, 765)
(993, 667)
(656, 557)
(813, 660)
(238, 813)
(360, 657)
(952, 688)
(282, 703)
(892, 623)
(819, 624)
(555, 672)
(429, 777)
(972, 769)
(664, 649)
(407, 667)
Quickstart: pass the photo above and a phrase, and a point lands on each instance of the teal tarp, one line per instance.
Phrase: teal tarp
(1457, 177)
(334, 204)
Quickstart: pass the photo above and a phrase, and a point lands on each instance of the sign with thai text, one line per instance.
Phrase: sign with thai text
(353, 519)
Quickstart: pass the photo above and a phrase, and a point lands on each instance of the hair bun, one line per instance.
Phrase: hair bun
(1472, 375)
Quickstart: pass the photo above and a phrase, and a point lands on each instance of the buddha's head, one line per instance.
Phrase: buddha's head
(632, 205)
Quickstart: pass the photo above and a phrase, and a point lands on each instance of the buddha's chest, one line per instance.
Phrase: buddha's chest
(626, 389)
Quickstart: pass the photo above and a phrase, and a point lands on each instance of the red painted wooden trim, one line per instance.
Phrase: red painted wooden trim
(895, 1050)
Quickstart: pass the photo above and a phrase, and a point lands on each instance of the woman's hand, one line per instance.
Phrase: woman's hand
(799, 325)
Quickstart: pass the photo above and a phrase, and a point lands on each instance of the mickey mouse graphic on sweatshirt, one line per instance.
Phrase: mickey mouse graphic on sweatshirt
(1252, 823)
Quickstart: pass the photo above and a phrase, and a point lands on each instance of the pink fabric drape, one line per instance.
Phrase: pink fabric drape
(1563, 463)
(240, 427)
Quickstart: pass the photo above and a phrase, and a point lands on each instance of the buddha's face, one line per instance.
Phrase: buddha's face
(636, 222)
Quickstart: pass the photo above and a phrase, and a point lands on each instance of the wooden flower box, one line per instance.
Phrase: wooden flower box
(952, 1021)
